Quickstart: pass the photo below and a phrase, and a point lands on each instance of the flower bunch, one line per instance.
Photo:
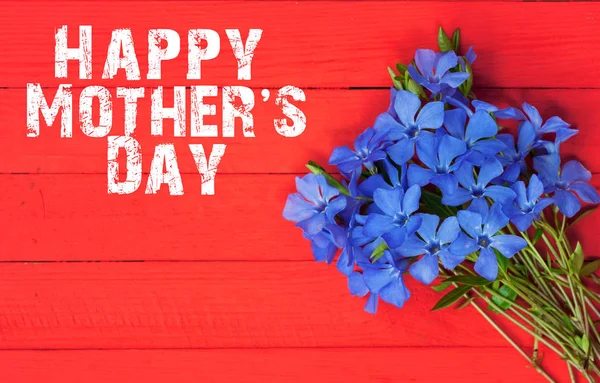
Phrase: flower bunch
(437, 188)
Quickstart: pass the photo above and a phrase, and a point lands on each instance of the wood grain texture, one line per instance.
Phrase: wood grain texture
(216, 305)
(221, 288)
(317, 44)
(334, 118)
(467, 365)
(71, 217)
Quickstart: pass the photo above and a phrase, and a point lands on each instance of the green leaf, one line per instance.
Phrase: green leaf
(451, 297)
(507, 293)
(469, 280)
(538, 234)
(432, 203)
(503, 262)
(401, 68)
(444, 41)
(415, 88)
(589, 268)
(318, 169)
(555, 270)
(456, 39)
(379, 251)
(441, 287)
(567, 321)
(397, 84)
(469, 81)
(583, 342)
(577, 259)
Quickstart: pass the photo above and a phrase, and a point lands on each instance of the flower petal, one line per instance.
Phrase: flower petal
(522, 221)
(386, 123)
(372, 302)
(547, 166)
(334, 207)
(496, 220)
(312, 225)
(450, 260)
(463, 245)
(395, 293)
(406, 106)
(389, 201)
(402, 151)
(533, 114)
(586, 192)
(508, 245)
(449, 230)
(446, 182)
(297, 208)
(427, 150)
(470, 222)
(481, 125)
(411, 247)
(574, 171)
(445, 62)
(374, 182)
(454, 122)
(425, 59)
(454, 80)
(486, 264)
(500, 194)
(425, 270)
(431, 115)
(526, 138)
(361, 142)
(535, 189)
(490, 169)
(357, 285)
(567, 203)
(553, 125)
(459, 197)
(418, 175)
(342, 154)
(345, 263)
(378, 224)
(429, 225)
(411, 199)
(450, 148)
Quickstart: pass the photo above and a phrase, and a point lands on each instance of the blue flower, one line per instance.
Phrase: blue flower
(369, 147)
(314, 209)
(470, 56)
(478, 135)
(527, 205)
(432, 245)
(395, 222)
(396, 178)
(482, 226)
(439, 155)
(514, 159)
(573, 179)
(382, 278)
(479, 189)
(552, 125)
(434, 71)
(406, 129)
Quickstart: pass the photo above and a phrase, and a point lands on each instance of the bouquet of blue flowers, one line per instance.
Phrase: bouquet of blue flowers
(437, 190)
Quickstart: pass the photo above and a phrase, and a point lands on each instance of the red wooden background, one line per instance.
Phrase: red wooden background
(97, 287)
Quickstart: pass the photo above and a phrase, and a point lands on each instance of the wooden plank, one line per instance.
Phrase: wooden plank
(216, 305)
(71, 217)
(334, 118)
(316, 44)
(422, 365)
